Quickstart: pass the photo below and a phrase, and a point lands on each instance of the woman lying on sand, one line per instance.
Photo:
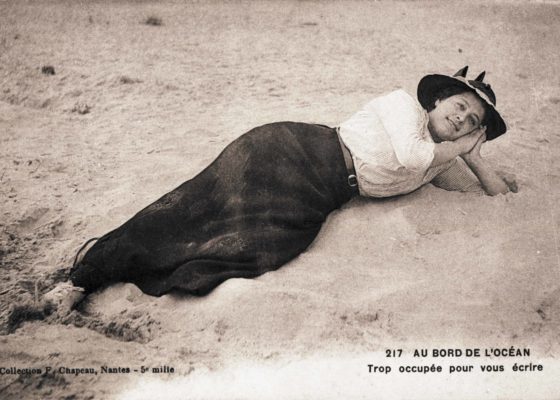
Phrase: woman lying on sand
(263, 200)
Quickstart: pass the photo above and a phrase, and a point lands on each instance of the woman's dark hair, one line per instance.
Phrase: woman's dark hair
(453, 90)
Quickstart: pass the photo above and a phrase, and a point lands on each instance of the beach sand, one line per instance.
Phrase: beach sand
(135, 109)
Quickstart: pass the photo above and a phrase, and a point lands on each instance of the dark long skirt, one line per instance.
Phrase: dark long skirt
(257, 206)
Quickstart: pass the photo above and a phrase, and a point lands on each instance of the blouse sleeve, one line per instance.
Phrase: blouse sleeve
(458, 177)
(404, 120)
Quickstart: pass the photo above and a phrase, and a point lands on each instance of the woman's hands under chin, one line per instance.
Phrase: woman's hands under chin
(449, 150)
(470, 141)
(474, 153)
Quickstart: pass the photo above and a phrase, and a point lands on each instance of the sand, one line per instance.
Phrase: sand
(134, 109)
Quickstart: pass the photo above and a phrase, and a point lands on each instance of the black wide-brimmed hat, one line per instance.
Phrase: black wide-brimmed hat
(431, 85)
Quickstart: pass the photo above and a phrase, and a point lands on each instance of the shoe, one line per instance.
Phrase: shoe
(64, 297)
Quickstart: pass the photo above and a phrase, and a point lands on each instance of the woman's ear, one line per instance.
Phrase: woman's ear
(436, 103)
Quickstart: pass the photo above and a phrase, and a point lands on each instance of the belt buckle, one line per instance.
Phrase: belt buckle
(352, 180)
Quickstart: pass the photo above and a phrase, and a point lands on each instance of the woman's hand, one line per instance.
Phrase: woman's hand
(470, 144)
(474, 152)
(446, 151)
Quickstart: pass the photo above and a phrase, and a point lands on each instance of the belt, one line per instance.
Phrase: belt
(352, 179)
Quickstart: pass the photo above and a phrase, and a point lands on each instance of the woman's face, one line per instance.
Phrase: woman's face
(455, 116)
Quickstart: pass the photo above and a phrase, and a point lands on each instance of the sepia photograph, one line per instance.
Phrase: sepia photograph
(280, 199)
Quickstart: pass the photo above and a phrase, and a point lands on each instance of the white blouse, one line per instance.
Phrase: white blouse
(392, 149)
